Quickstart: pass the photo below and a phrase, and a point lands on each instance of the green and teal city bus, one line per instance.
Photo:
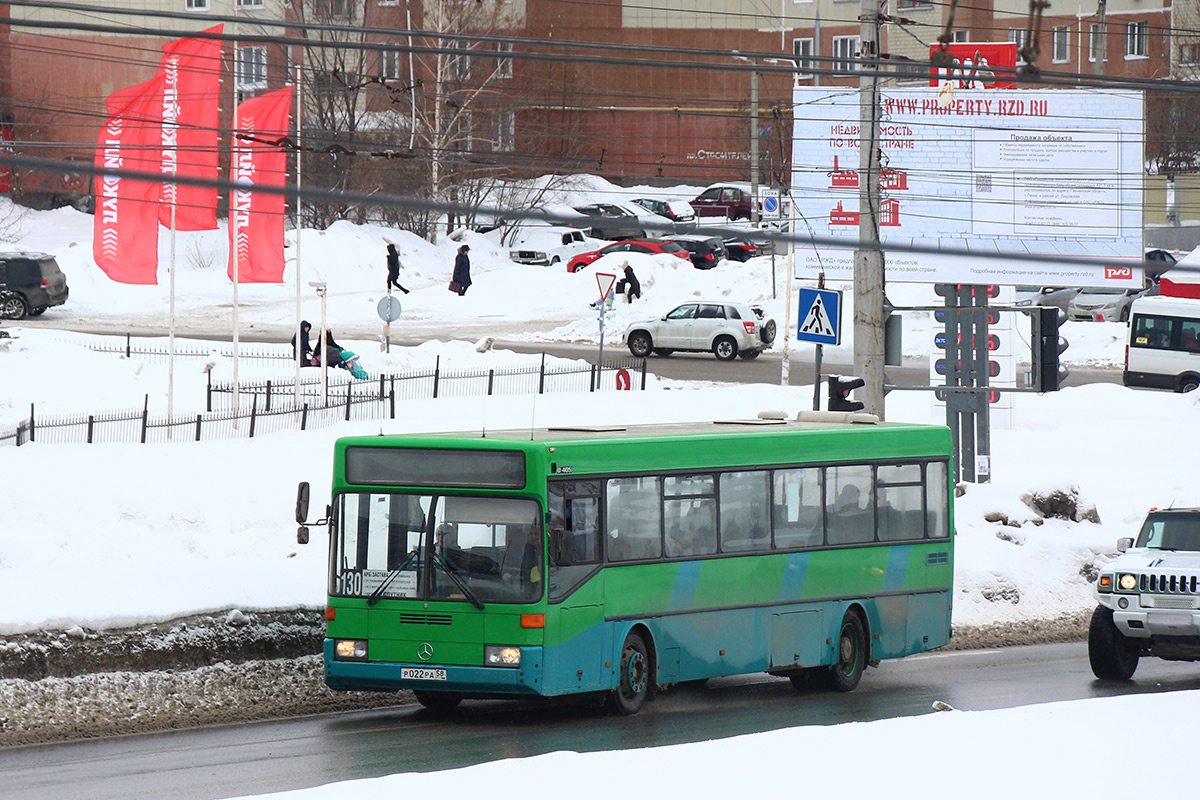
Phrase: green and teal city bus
(543, 563)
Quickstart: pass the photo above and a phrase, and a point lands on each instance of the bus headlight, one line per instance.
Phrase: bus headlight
(350, 649)
(501, 656)
(1127, 583)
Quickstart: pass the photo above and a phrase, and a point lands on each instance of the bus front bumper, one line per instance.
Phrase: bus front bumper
(385, 676)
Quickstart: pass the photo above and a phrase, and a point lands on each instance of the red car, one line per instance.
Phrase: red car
(650, 246)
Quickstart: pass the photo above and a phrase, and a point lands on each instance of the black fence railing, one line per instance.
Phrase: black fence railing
(436, 382)
(270, 406)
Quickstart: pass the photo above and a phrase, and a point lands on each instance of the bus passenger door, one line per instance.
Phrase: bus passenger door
(575, 642)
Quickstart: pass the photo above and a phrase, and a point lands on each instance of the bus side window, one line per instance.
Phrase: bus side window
(1190, 337)
(745, 498)
(849, 512)
(634, 519)
(798, 508)
(937, 511)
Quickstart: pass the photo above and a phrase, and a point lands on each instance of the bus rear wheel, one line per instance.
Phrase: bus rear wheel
(440, 702)
(851, 656)
(633, 683)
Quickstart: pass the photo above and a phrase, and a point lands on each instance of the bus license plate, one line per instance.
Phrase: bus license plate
(422, 674)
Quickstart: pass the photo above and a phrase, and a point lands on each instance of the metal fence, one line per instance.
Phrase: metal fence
(152, 351)
(269, 406)
(430, 383)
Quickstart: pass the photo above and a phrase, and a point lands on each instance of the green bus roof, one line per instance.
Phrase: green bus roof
(583, 450)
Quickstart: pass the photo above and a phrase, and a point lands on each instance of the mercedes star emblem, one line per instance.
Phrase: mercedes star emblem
(425, 651)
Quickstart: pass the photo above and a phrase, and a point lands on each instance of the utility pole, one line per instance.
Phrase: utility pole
(1100, 39)
(868, 258)
(754, 143)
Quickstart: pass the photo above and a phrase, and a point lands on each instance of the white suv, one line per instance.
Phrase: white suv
(726, 329)
(1149, 597)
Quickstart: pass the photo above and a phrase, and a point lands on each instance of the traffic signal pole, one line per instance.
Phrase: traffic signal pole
(868, 259)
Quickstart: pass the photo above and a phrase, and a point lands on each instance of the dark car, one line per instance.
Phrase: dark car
(608, 221)
(705, 251)
(647, 246)
(743, 249)
(732, 200)
(29, 284)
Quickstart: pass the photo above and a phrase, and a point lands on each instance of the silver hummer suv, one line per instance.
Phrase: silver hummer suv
(1149, 597)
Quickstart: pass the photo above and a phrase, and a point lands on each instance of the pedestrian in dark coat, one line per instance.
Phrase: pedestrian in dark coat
(633, 288)
(462, 270)
(306, 350)
(393, 265)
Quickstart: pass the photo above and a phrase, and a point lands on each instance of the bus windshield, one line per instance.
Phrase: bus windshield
(436, 547)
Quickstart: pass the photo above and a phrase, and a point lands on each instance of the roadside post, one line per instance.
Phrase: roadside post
(820, 323)
(604, 282)
(389, 312)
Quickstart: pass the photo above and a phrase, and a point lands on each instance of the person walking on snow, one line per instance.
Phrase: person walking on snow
(462, 270)
(393, 265)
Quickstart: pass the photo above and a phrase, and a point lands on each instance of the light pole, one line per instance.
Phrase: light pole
(753, 136)
(320, 287)
(785, 362)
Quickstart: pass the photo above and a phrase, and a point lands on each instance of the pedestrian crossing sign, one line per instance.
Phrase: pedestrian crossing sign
(820, 316)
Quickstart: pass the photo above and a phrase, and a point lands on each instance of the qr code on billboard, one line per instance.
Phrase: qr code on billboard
(983, 184)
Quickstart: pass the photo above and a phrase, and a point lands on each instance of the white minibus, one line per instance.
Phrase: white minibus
(1163, 349)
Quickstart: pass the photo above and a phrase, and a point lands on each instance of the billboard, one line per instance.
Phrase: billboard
(1053, 173)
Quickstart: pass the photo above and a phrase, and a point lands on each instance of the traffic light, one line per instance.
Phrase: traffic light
(839, 393)
(1047, 345)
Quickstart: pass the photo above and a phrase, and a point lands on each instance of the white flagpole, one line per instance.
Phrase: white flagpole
(233, 220)
(299, 218)
(173, 71)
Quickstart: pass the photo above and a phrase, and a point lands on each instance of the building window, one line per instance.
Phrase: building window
(803, 50)
(250, 3)
(1096, 41)
(1189, 53)
(389, 65)
(459, 66)
(845, 48)
(504, 68)
(916, 3)
(252, 67)
(506, 131)
(196, 5)
(389, 2)
(1062, 44)
(1135, 39)
(1017, 36)
(961, 37)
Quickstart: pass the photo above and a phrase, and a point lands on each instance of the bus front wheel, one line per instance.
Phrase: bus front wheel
(440, 702)
(633, 683)
(851, 656)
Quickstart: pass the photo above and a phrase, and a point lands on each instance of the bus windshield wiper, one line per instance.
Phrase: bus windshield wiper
(459, 582)
(391, 576)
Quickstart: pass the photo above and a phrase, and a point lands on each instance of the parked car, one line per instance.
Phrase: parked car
(732, 200)
(1144, 596)
(740, 249)
(1159, 261)
(1055, 296)
(32, 282)
(647, 246)
(678, 211)
(1105, 303)
(705, 251)
(609, 221)
(545, 246)
(727, 330)
(652, 223)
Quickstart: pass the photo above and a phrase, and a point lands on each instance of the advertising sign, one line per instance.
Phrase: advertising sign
(973, 63)
(1019, 174)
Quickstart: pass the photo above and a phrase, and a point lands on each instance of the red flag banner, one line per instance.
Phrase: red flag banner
(125, 234)
(257, 217)
(192, 69)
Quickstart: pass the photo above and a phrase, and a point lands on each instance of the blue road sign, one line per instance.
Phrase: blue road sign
(771, 205)
(820, 316)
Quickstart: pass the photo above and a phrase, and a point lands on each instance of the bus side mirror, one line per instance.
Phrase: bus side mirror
(302, 502)
(1124, 543)
(302, 535)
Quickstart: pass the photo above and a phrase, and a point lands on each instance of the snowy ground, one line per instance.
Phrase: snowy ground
(97, 537)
